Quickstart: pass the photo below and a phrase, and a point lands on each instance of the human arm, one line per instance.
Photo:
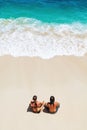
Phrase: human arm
(57, 104)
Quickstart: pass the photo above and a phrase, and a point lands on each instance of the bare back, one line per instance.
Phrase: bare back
(53, 107)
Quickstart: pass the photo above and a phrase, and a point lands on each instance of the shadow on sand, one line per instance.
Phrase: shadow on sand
(29, 109)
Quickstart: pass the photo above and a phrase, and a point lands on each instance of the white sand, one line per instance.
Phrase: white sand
(63, 77)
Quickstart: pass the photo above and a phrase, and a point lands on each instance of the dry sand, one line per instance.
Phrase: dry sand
(64, 77)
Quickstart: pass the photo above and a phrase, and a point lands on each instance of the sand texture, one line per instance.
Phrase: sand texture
(65, 77)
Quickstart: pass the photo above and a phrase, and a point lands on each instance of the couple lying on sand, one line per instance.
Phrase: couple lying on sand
(49, 107)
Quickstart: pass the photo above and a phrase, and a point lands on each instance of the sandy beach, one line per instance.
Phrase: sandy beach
(65, 77)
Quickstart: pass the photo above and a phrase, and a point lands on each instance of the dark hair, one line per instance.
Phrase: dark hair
(34, 97)
(52, 99)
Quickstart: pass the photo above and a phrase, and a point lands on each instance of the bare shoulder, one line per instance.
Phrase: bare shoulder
(39, 104)
(57, 104)
(31, 104)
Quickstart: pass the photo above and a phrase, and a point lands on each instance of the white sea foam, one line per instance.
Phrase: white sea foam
(29, 37)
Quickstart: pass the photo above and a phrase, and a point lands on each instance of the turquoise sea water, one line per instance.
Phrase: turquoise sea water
(43, 28)
(58, 11)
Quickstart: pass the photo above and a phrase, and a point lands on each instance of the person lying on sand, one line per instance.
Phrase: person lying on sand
(35, 105)
(51, 106)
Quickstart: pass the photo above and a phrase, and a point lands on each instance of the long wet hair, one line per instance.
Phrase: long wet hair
(52, 100)
(34, 97)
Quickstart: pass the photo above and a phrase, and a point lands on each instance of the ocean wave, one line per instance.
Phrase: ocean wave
(30, 37)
